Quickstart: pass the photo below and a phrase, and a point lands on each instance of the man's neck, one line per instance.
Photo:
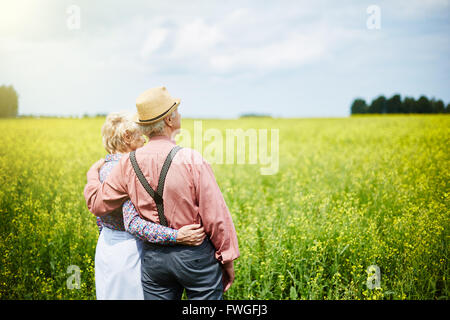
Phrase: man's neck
(161, 136)
(167, 133)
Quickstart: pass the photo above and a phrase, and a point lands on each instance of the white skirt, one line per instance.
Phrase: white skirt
(118, 266)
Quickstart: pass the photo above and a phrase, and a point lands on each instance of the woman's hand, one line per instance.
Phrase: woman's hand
(191, 235)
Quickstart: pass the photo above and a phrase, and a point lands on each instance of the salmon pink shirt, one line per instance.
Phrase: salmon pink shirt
(191, 194)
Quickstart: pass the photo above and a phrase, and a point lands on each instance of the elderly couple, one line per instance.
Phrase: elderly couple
(164, 225)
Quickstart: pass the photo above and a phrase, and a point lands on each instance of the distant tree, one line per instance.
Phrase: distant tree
(378, 105)
(255, 115)
(424, 105)
(409, 105)
(9, 102)
(437, 106)
(359, 106)
(394, 104)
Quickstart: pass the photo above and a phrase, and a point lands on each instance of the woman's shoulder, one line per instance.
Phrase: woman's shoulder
(111, 160)
(113, 157)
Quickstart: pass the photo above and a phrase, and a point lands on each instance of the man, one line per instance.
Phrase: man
(190, 195)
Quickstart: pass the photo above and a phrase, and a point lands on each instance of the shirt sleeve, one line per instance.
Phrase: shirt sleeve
(108, 196)
(99, 224)
(146, 230)
(215, 216)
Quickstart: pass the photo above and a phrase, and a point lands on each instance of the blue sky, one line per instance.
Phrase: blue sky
(222, 58)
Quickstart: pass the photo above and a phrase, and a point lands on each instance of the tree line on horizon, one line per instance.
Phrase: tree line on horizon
(395, 104)
(9, 102)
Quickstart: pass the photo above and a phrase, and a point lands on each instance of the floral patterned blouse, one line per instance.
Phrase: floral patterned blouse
(127, 218)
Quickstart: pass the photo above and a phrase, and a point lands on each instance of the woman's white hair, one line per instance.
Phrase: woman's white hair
(156, 128)
(117, 124)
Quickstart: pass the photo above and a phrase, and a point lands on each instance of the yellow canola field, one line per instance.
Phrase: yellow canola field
(348, 194)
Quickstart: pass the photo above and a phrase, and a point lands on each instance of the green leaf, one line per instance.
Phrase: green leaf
(293, 294)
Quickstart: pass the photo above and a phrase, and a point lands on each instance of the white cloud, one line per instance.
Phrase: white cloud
(153, 41)
(243, 41)
(196, 38)
(237, 42)
(294, 50)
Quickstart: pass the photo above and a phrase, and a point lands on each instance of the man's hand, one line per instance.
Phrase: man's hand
(191, 235)
(227, 275)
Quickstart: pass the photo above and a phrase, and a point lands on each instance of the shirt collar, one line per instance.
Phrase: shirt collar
(161, 137)
(113, 157)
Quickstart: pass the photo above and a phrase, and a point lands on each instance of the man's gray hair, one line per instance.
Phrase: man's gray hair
(156, 128)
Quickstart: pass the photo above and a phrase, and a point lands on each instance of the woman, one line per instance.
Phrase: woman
(118, 252)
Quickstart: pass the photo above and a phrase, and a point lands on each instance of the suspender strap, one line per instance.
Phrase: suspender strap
(165, 169)
(157, 196)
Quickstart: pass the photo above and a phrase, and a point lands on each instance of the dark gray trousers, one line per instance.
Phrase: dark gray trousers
(167, 270)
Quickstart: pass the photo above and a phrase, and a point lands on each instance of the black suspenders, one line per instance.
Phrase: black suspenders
(156, 195)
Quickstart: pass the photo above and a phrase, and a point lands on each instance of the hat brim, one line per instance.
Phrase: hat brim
(136, 119)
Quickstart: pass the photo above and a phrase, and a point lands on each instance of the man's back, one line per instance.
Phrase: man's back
(179, 187)
(191, 194)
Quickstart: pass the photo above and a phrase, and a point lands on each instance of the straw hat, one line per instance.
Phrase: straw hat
(153, 105)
